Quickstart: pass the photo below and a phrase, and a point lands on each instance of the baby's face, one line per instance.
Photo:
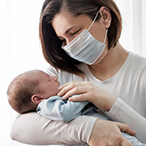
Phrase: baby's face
(48, 84)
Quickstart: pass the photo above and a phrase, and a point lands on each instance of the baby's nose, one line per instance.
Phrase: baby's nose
(55, 78)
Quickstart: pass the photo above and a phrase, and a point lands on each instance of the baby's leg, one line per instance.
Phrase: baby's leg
(133, 140)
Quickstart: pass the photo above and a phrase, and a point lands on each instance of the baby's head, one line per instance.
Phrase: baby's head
(27, 90)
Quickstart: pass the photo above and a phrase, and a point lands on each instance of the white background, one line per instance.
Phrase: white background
(21, 50)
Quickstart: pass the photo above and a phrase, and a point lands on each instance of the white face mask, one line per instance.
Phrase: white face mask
(85, 48)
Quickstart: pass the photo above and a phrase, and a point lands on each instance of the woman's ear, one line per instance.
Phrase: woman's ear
(105, 16)
(37, 98)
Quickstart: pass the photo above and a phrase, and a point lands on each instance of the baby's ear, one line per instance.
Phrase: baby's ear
(37, 98)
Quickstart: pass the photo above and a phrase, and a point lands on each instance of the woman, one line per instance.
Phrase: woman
(80, 40)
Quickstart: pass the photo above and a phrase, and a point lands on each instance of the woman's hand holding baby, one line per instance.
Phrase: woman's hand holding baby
(87, 91)
(102, 136)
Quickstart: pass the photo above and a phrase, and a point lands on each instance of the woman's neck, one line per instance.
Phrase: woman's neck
(110, 64)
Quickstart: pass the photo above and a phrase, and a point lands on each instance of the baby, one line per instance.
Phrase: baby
(37, 91)
(27, 90)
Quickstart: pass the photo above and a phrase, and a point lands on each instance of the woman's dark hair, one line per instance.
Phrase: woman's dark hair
(51, 45)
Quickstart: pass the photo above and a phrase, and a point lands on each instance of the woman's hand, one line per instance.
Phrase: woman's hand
(87, 91)
(107, 133)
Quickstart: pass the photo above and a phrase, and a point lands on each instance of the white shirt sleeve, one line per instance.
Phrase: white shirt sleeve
(31, 128)
(125, 114)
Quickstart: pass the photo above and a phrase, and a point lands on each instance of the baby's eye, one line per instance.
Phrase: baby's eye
(49, 80)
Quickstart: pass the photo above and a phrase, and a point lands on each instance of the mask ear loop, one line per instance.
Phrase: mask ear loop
(93, 20)
(92, 24)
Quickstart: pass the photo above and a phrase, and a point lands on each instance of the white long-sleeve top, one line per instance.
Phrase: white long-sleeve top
(128, 85)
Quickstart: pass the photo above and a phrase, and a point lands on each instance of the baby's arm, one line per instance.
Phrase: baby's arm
(57, 109)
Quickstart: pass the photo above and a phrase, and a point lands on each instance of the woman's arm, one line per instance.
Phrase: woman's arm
(31, 128)
(122, 112)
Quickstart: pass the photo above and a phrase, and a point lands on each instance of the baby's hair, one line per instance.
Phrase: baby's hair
(21, 90)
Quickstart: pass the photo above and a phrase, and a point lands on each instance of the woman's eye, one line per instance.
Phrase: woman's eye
(76, 32)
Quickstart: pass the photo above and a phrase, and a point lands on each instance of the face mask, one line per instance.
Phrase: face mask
(85, 48)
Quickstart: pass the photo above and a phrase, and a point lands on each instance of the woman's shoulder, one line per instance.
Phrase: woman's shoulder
(64, 76)
(137, 66)
(51, 71)
(136, 58)
(135, 62)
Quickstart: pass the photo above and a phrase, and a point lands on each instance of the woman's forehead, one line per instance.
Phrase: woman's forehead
(65, 21)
